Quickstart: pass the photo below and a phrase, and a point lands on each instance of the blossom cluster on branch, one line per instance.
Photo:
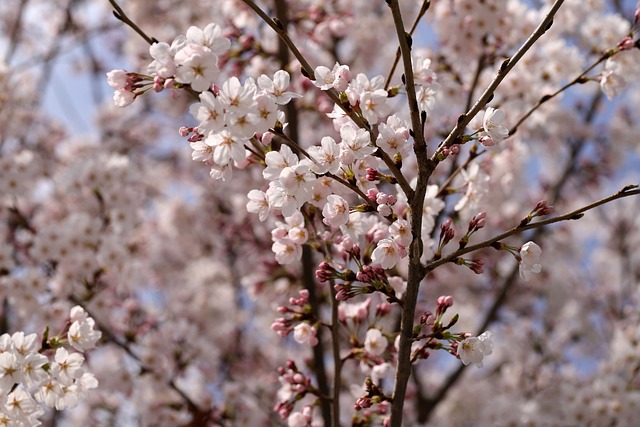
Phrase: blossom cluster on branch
(33, 376)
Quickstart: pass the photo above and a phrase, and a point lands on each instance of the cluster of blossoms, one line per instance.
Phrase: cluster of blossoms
(294, 386)
(33, 377)
(230, 116)
(335, 194)
(191, 59)
(303, 332)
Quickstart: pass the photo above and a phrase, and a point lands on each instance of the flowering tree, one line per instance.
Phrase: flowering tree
(321, 213)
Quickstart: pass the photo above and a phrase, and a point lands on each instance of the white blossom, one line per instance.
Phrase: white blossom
(530, 260)
(386, 254)
(258, 203)
(277, 88)
(474, 349)
(305, 334)
(492, 124)
(375, 343)
(335, 211)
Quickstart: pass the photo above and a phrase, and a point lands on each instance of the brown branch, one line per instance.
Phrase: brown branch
(416, 203)
(14, 33)
(404, 42)
(629, 190)
(421, 12)
(505, 68)
(121, 16)
(578, 80)
(337, 361)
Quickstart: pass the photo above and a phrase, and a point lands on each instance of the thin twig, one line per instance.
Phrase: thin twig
(423, 10)
(505, 68)
(546, 98)
(472, 156)
(630, 190)
(120, 15)
(476, 78)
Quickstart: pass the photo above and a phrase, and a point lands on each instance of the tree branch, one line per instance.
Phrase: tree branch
(404, 40)
(580, 79)
(121, 16)
(505, 68)
(333, 94)
(629, 190)
(423, 10)
(430, 404)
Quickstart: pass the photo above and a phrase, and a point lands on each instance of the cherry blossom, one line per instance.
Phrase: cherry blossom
(530, 260)
(278, 87)
(492, 125)
(387, 253)
(474, 349)
(375, 343)
(337, 78)
(197, 67)
(335, 211)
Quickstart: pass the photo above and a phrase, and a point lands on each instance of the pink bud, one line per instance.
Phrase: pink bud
(169, 83)
(476, 266)
(445, 301)
(626, 43)
(486, 141)
(382, 198)
(158, 84)
(383, 308)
